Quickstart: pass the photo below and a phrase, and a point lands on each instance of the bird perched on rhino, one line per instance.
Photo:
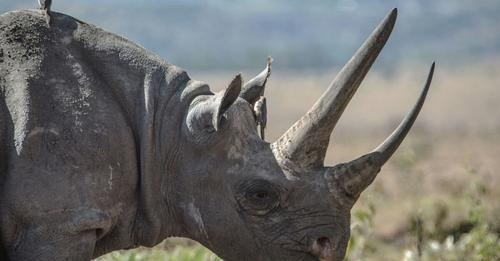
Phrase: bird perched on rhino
(260, 112)
(45, 5)
(253, 92)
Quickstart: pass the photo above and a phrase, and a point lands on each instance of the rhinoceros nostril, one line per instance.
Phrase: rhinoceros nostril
(322, 249)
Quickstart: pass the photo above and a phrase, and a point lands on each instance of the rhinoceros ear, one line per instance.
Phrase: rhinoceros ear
(206, 112)
(226, 100)
(254, 89)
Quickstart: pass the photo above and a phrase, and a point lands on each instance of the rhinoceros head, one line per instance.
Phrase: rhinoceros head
(254, 200)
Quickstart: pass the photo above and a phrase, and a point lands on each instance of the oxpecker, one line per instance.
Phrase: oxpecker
(260, 112)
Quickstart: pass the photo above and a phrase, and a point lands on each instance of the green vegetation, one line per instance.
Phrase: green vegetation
(481, 243)
(473, 238)
(178, 253)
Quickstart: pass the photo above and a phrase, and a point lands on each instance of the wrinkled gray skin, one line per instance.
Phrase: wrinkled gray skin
(105, 146)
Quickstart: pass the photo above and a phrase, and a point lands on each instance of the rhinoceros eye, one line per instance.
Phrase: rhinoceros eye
(258, 197)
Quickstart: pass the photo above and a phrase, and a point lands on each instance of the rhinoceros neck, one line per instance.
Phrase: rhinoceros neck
(155, 96)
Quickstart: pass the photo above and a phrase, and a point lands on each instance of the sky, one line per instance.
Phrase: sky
(300, 35)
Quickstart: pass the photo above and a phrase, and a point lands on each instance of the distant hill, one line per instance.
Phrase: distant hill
(300, 35)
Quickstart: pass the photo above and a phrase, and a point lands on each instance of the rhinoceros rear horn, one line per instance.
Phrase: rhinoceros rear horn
(227, 99)
(255, 88)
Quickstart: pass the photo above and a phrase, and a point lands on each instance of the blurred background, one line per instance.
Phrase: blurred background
(438, 198)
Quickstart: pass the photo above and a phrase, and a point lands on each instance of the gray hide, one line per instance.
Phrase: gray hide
(105, 146)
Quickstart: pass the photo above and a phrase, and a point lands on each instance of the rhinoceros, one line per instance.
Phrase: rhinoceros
(106, 146)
